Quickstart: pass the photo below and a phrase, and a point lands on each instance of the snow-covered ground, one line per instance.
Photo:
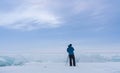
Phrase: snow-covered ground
(110, 67)
(57, 62)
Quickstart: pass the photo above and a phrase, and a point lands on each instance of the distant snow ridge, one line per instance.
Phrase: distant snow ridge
(93, 58)
(9, 61)
(56, 58)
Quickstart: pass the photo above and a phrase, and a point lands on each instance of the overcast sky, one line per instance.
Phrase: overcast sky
(53, 24)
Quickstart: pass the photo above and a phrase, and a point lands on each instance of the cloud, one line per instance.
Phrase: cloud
(92, 13)
(37, 14)
(30, 16)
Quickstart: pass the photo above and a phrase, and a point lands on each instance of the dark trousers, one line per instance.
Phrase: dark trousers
(72, 60)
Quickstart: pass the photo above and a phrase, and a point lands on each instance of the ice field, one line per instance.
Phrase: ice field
(57, 62)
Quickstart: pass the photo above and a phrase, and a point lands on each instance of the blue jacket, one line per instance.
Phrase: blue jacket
(70, 50)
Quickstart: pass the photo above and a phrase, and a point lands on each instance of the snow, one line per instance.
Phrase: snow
(56, 62)
(36, 67)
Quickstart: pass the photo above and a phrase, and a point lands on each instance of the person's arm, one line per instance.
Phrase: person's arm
(67, 50)
(73, 48)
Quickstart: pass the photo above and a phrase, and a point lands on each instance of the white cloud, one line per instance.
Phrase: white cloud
(95, 12)
(88, 5)
(36, 14)
(30, 15)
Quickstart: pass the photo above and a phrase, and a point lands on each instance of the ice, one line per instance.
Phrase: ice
(57, 62)
(9, 61)
(52, 57)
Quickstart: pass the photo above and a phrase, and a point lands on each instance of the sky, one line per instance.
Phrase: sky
(53, 24)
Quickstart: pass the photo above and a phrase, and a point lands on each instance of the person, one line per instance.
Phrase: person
(70, 51)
